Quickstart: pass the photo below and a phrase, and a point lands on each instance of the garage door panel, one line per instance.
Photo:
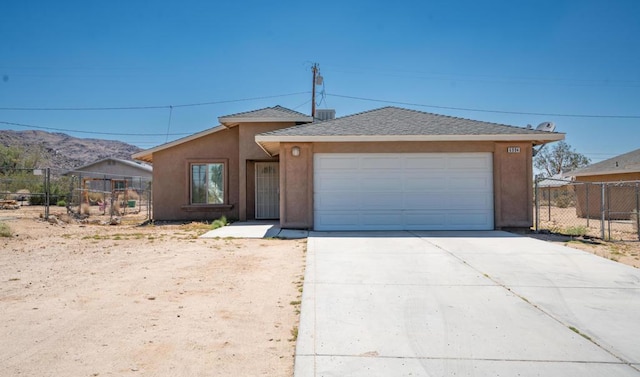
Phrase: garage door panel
(469, 220)
(431, 201)
(469, 204)
(377, 218)
(425, 162)
(421, 218)
(416, 182)
(417, 191)
(377, 163)
(338, 163)
(473, 183)
(383, 182)
(338, 182)
(337, 220)
(339, 200)
(467, 162)
(379, 200)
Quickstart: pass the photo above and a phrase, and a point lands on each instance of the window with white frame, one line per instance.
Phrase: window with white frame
(207, 183)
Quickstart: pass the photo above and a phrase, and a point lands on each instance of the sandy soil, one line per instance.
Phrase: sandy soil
(624, 246)
(626, 252)
(100, 300)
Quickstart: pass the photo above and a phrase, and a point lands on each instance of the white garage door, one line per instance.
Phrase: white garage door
(403, 191)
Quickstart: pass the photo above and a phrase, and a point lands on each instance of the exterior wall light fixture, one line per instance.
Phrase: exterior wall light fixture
(295, 151)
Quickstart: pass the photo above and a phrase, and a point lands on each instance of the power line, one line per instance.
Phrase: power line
(145, 107)
(169, 123)
(486, 110)
(90, 132)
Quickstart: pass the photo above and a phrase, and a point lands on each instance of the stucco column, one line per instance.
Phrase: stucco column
(513, 185)
(296, 186)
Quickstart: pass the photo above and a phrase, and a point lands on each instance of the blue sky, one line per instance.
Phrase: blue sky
(551, 57)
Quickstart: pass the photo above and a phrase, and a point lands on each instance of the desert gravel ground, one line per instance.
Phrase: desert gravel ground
(125, 300)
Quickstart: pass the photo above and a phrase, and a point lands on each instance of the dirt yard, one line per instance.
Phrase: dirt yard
(127, 300)
(561, 225)
(124, 300)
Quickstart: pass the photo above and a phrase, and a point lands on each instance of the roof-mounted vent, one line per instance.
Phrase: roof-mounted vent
(325, 114)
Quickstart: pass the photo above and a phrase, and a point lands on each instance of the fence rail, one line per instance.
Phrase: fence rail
(606, 210)
(82, 194)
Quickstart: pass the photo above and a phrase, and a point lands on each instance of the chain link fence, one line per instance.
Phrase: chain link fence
(606, 210)
(20, 187)
(80, 194)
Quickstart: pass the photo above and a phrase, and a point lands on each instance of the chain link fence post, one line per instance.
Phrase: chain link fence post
(637, 213)
(47, 192)
(602, 209)
(536, 193)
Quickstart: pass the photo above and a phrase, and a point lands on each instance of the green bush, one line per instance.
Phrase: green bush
(219, 223)
(61, 203)
(579, 230)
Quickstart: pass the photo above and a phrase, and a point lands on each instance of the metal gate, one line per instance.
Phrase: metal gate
(267, 190)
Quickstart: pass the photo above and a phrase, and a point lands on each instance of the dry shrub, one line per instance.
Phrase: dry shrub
(132, 195)
(94, 197)
(5, 230)
(115, 208)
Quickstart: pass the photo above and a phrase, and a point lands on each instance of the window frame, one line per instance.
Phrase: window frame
(225, 181)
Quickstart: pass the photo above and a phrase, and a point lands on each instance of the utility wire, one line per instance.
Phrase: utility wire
(91, 132)
(169, 123)
(145, 107)
(485, 110)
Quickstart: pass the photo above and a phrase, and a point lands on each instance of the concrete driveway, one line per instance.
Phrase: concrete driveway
(464, 304)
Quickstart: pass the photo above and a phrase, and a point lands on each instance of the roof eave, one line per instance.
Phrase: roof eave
(271, 143)
(604, 172)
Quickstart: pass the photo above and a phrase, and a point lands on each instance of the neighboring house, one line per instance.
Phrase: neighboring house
(113, 173)
(621, 192)
(556, 190)
(389, 168)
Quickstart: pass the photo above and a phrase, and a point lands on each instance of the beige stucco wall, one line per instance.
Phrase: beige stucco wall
(249, 152)
(296, 186)
(620, 201)
(237, 147)
(171, 177)
(512, 185)
(513, 177)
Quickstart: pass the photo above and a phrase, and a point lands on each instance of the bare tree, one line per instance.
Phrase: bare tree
(560, 158)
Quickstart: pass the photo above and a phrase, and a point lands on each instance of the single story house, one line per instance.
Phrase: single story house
(113, 173)
(385, 169)
(557, 190)
(620, 175)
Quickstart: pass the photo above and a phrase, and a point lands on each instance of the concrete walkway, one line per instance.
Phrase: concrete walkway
(464, 304)
(255, 229)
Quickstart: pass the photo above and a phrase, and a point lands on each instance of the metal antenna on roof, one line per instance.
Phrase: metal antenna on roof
(546, 127)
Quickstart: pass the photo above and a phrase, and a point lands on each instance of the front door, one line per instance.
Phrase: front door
(267, 190)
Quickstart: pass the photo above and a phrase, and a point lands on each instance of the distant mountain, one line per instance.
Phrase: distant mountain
(64, 152)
